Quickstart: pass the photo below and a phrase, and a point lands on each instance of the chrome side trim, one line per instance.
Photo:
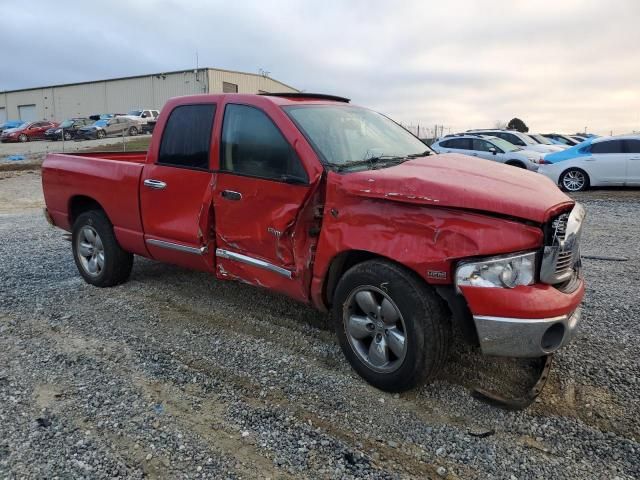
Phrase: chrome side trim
(177, 246)
(239, 257)
(522, 337)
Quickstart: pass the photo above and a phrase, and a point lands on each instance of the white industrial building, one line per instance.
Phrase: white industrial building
(119, 95)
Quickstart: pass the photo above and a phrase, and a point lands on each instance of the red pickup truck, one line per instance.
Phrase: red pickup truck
(336, 206)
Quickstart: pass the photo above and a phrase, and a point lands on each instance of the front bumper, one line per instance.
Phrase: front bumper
(519, 337)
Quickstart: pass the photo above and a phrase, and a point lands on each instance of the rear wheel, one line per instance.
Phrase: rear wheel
(99, 258)
(392, 327)
(574, 180)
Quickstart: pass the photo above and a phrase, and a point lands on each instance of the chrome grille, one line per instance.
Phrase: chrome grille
(561, 256)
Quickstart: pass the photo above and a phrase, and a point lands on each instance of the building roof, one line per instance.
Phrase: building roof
(145, 75)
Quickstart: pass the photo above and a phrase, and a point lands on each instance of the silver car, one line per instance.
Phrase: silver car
(518, 139)
(490, 148)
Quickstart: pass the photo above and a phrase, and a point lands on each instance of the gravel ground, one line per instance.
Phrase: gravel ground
(176, 374)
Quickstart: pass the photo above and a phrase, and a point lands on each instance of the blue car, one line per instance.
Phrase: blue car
(598, 161)
(10, 124)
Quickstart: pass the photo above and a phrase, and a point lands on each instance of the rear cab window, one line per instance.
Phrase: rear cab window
(186, 138)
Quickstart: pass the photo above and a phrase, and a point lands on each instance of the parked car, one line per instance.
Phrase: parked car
(518, 139)
(115, 126)
(143, 115)
(490, 148)
(561, 139)
(27, 131)
(9, 124)
(598, 161)
(545, 141)
(68, 128)
(339, 207)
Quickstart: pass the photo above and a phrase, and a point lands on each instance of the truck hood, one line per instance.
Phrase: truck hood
(459, 181)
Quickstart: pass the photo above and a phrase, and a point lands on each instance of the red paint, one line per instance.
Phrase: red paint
(425, 214)
(536, 301)
(29, 129)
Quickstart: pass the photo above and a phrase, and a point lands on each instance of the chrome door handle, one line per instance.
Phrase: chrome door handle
(231, 195)
(156, 184)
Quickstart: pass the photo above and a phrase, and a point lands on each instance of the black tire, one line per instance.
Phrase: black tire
(100, 134)
(516, 163)
(426, 322)
(133, 131)
(117, 263)
(23, 138)
(576, 173)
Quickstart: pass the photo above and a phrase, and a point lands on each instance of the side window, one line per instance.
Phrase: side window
(633, 146)
(461, 143)
(514, 139)
(187, 136)
(612, 146)
(446, 144)
(253, 145)
(481, 145)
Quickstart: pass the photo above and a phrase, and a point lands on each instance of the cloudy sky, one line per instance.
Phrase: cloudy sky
(560, 65)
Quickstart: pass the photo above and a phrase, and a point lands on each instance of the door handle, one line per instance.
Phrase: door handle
(231, 195)
(155, 184)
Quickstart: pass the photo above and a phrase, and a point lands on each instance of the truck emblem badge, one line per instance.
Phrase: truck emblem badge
(274, 232)
(437, 274)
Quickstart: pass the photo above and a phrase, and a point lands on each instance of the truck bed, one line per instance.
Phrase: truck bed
(109, 178)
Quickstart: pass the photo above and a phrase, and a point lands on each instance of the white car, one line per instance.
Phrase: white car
(599, 161)
(519, 139)
(489, 148)
(143, 115)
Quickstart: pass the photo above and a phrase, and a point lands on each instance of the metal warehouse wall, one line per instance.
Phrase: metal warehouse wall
(122, 95)
(246, 82)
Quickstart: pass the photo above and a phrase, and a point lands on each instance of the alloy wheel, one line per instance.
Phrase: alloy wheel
(574, 180)
(375, 329)
(90, 251)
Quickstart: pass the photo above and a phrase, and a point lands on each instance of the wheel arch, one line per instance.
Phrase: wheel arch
(515, 163)
(79, 204)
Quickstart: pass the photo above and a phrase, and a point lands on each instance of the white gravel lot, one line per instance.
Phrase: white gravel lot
(177, 375)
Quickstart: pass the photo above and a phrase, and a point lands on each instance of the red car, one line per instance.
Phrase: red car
(339, 207)
(27, 132)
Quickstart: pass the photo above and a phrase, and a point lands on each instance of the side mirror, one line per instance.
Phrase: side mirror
(493, 150)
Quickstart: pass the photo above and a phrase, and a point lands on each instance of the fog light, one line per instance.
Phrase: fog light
(552, 338)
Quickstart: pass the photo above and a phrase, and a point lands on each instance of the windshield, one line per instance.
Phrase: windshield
(66, 124)
(541, 139)
(345, 134)
(135, 113)
(504, 145)
(527, 139)
(100, 123)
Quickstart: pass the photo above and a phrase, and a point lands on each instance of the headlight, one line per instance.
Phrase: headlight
(498, 272)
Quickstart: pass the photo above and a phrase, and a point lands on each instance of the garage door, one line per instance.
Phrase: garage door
(27, 113)
(3, 114)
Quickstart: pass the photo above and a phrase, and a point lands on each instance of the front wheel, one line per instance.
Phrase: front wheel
(392, 327)
(133, 131)
(574, 180)
(98, 255)
(23, 138)
(100, 134)
(67, 136)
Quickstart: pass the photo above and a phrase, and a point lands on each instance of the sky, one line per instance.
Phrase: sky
(560, 65)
